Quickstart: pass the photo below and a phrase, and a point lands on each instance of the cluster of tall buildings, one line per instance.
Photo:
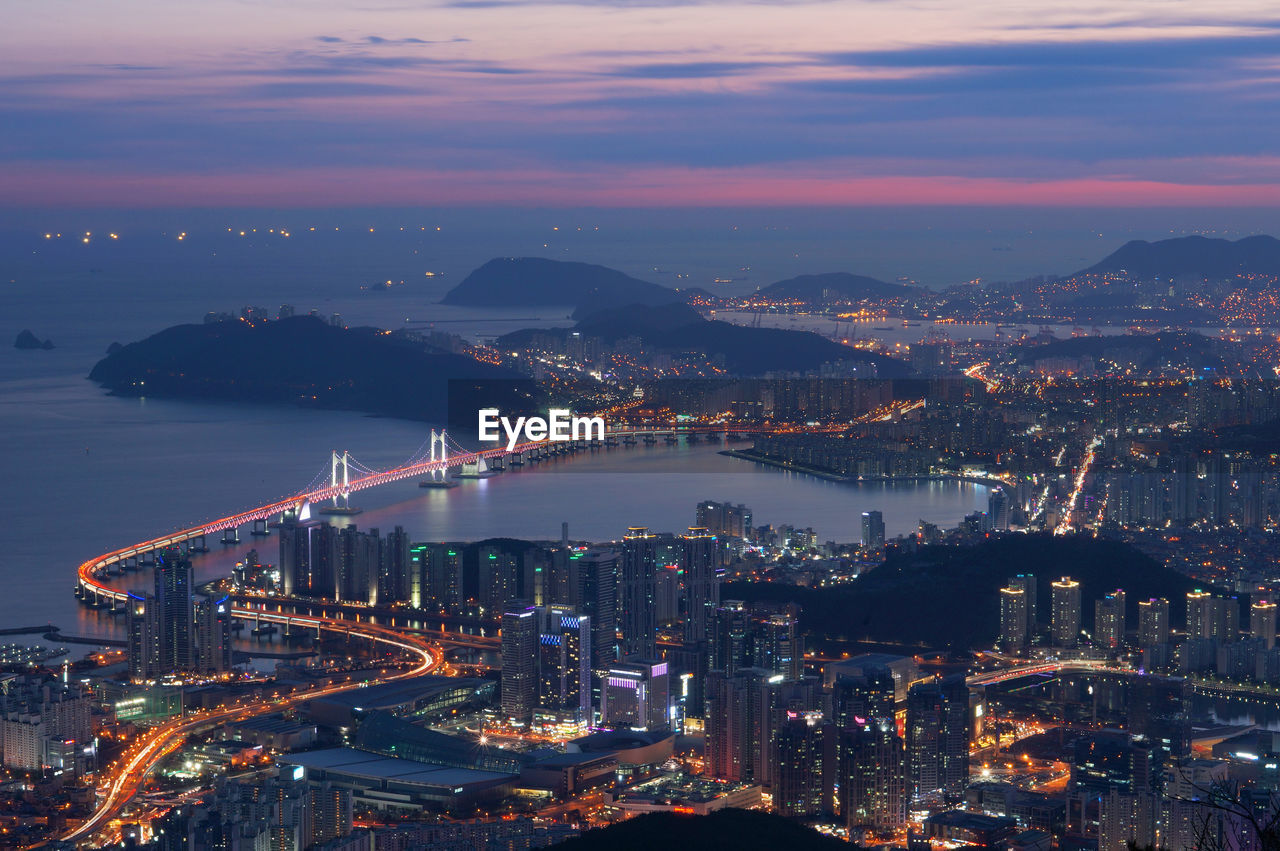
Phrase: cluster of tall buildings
(170, 632)
(1219, 634)
(587, 645)
(863, 744)
(323, 561)
(45, 725)
(724, 518)
(276, 814)
(1189, 488)
(1020, 624)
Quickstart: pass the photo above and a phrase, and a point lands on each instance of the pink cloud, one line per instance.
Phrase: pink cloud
(34, 186)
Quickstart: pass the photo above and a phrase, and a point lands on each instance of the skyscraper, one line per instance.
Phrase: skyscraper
(733, 728)
(1031, 593)
(1013, 619)
(872, 530)
(564, 662)
(357, 564)
(496, 575)
(309, 555)
(1109, 621)
(596, 598)
(998, 509)
(1153, 622)
(1262, 622)
(871, 760)
(873, 776)
(700, 563)
(174, 614)
(938, 734)
(797, 772)
(435, 580)
(213, 636)
(1200, 614)
(393, 573)
(724, 518)
(294, 546)
(781, 649)
(1066, 612)
(762, 635)
(519, 662)
(637, 693)
(1210, 617)
(639, 592)
(731, 639)
(143, 630)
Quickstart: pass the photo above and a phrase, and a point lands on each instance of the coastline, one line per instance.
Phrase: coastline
(818, 472)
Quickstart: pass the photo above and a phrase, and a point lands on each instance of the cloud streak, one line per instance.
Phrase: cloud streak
(711, 101)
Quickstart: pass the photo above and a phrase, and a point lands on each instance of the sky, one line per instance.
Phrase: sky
(640, 103)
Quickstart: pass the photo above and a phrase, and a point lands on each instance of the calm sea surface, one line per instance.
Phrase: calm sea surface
(86, 472)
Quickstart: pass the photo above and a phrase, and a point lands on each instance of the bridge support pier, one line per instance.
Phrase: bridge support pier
(197, 545)
(231, 536)
(260, 529)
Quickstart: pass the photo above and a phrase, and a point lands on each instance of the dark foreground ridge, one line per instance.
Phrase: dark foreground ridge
(301, 360)
(731, 830)
(947, 596)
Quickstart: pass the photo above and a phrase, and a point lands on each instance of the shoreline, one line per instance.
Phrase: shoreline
(817, 472)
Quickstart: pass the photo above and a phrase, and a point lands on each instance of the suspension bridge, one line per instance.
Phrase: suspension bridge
(347, 476)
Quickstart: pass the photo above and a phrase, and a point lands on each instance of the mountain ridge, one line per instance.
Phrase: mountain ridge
(1198, 256)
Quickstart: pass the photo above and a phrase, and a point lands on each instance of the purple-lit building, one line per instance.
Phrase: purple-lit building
(636, 694)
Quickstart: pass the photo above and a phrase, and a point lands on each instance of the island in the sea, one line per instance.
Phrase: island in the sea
(28, 340)
(304, 361)
(744, 350)
(528, 281)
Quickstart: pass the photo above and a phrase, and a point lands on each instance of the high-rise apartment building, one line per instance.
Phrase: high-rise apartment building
(174, 614)
(1153, 622)
(638, 585)
(700, 565)
(519, 662)
(213, 636)
(872, 530)
(597, 597)
(724, 518)
(564, 661)
(1013, 619)
(1065, 626)
(496, 573)
(937, 740)
(1262, 622)
(797, 755)
(1109, 621)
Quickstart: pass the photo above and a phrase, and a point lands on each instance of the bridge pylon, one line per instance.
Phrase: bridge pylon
(340, 484)
(439, 476)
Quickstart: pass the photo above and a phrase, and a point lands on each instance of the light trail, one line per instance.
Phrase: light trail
(1034, 668)
(1081, 474)
(978, 371)
(125, 780)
